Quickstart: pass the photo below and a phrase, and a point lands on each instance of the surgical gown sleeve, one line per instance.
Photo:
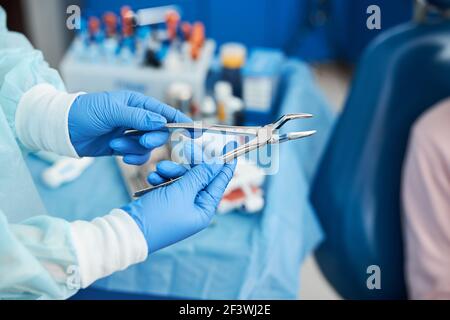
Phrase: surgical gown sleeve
(49, 258)
(46, 257)
(32, 95)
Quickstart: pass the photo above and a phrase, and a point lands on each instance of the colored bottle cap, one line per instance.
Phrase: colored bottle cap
(172, 21)
(197, 39)
(127, 21)
(93, 25)
(110, 21)
(233, 55)
(186, 29)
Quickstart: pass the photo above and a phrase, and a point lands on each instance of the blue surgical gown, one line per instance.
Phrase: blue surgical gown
(37, 257)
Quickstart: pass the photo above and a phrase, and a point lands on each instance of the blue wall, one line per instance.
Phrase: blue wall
(347, 31)
(312, 29)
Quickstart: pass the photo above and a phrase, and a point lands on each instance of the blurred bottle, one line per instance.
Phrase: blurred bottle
(197, 39)
(172, 22)
(127, 46)
(209, 110)
(261, 77)
(81, 41)
(96, 38)
(232, 57)
(110, 45)
(179, 95)
(234, 107)
(142, 39)
(110, 21)
(126, 18)
(186, 30)
(222, 92)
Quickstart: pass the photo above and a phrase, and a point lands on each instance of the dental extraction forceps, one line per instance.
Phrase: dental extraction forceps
(263, 135)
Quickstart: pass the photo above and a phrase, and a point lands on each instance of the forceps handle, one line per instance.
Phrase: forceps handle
(241, 150)
(214, 128)
(203, 127)
(146, 190)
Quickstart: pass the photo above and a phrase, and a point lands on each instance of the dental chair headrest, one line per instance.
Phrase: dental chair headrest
(441, 4)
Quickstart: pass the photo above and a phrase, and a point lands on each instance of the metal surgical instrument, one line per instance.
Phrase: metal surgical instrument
(263, 135)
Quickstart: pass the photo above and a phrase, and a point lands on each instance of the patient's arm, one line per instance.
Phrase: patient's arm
(426, 205)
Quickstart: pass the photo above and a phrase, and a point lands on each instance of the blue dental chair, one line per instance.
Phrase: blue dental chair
(356, 190)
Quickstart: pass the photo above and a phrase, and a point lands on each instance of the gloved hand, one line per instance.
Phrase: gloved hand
(166, 170)
(172, 213)
(97, 122)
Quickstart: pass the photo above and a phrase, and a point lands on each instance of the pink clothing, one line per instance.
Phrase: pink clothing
(426, 205)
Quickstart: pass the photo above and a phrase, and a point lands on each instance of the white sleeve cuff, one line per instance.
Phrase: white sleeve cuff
(106, 245)
(42, 120)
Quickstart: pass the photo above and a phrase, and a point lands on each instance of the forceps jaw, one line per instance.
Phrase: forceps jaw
(290, 116)
(266, 135)
(274, 138)
(291, 136)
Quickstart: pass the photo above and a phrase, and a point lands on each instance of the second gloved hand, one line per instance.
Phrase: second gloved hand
(97, 122)
(170, 214)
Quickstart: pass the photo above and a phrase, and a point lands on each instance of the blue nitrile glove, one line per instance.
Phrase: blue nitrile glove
(170, 214)
(166, 170)
(97, 122)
